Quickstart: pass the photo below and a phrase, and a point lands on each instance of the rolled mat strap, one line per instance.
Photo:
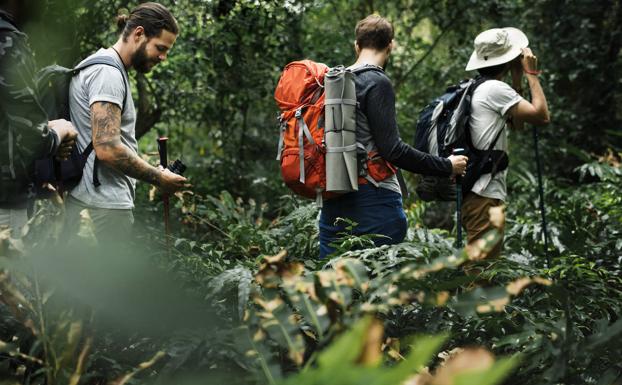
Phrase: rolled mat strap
(351, 147)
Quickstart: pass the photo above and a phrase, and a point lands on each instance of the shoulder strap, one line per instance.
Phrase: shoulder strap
(104, 60)
(365, 68)
(476, 82)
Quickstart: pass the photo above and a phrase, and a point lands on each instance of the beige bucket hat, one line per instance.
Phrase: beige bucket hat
(496, 46)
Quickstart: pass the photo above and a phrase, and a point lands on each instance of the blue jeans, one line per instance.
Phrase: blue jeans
(375, 210)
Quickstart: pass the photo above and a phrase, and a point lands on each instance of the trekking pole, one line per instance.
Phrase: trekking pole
(458, 151)
(541, 192)
(162, 150)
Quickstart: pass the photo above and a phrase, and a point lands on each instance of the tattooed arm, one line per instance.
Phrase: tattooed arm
(106, 124)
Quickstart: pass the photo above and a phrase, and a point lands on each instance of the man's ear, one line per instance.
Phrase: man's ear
(390, 47)
(357, 49)
(138, 33)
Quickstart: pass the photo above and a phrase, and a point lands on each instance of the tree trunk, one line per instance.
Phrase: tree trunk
(147, 115)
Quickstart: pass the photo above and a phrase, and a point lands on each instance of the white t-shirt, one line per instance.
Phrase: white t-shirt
(489, 106)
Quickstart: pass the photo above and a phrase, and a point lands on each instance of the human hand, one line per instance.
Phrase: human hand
(458, 164)
(63, 128)
(66, 146)
(529, 61)
(171, 182)
(67, 135)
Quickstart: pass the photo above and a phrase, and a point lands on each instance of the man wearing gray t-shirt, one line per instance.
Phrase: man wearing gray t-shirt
(103, 112)
(498, 52)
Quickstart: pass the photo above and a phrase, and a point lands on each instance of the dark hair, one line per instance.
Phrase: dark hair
(493, 71)
(374, 31)
(153, 17)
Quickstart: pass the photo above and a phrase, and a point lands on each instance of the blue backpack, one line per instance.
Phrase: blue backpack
(443, 126)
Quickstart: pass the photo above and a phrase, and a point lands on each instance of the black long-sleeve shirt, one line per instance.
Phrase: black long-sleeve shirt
(376, 98)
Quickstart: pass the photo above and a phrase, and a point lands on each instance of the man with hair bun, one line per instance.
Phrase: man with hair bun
(103, 111)
(378, 209)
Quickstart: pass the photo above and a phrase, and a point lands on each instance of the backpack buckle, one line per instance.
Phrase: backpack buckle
(298, 113)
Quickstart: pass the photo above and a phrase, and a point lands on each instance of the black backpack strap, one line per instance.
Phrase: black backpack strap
(87, 151)
(365, 68)
(101, 60)
(96, 182)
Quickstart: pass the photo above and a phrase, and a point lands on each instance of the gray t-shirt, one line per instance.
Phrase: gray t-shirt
(103, 83)
(489, 106)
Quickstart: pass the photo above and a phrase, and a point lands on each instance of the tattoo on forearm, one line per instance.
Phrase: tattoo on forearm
(106, 125)
(130, 164)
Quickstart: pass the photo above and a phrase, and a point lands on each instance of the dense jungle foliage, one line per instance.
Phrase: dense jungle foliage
(242, 298)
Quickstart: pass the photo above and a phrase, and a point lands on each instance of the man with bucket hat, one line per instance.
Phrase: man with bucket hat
(494, 104)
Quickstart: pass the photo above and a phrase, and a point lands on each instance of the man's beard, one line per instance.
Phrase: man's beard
(140, 60)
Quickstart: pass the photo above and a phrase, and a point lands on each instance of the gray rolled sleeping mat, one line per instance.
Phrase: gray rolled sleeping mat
(340, 130)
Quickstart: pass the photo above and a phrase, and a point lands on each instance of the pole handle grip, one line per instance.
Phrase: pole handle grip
(162, 150)
(458, 151)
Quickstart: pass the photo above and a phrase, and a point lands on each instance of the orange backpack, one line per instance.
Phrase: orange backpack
(302, 149)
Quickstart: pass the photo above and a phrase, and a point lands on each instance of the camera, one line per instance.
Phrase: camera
(177, 167)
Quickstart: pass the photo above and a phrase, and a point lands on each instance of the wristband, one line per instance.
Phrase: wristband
(536, 72)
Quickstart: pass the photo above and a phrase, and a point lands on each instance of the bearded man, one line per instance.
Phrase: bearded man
(102, 110)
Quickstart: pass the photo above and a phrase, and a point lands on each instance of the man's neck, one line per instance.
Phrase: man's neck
(370, 56)
(124, 52)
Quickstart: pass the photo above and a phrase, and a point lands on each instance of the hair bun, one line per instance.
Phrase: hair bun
(122, 19)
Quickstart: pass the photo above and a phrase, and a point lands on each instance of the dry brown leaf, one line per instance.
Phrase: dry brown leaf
(392, 347)
(280, 257)
(142, 366)
(296, 356)
(542, 281)
(422, 378)
(442, 298)
(371, 354)
(611, 158)
(152, 193)
(259, 335)
(515, 287)
(496, 305)
(475, 250)
(467, 360)
(326, 277)
(335, 297)
(447, 354)
(497, 216)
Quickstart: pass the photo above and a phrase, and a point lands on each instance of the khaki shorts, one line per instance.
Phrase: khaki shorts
(476, 221)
